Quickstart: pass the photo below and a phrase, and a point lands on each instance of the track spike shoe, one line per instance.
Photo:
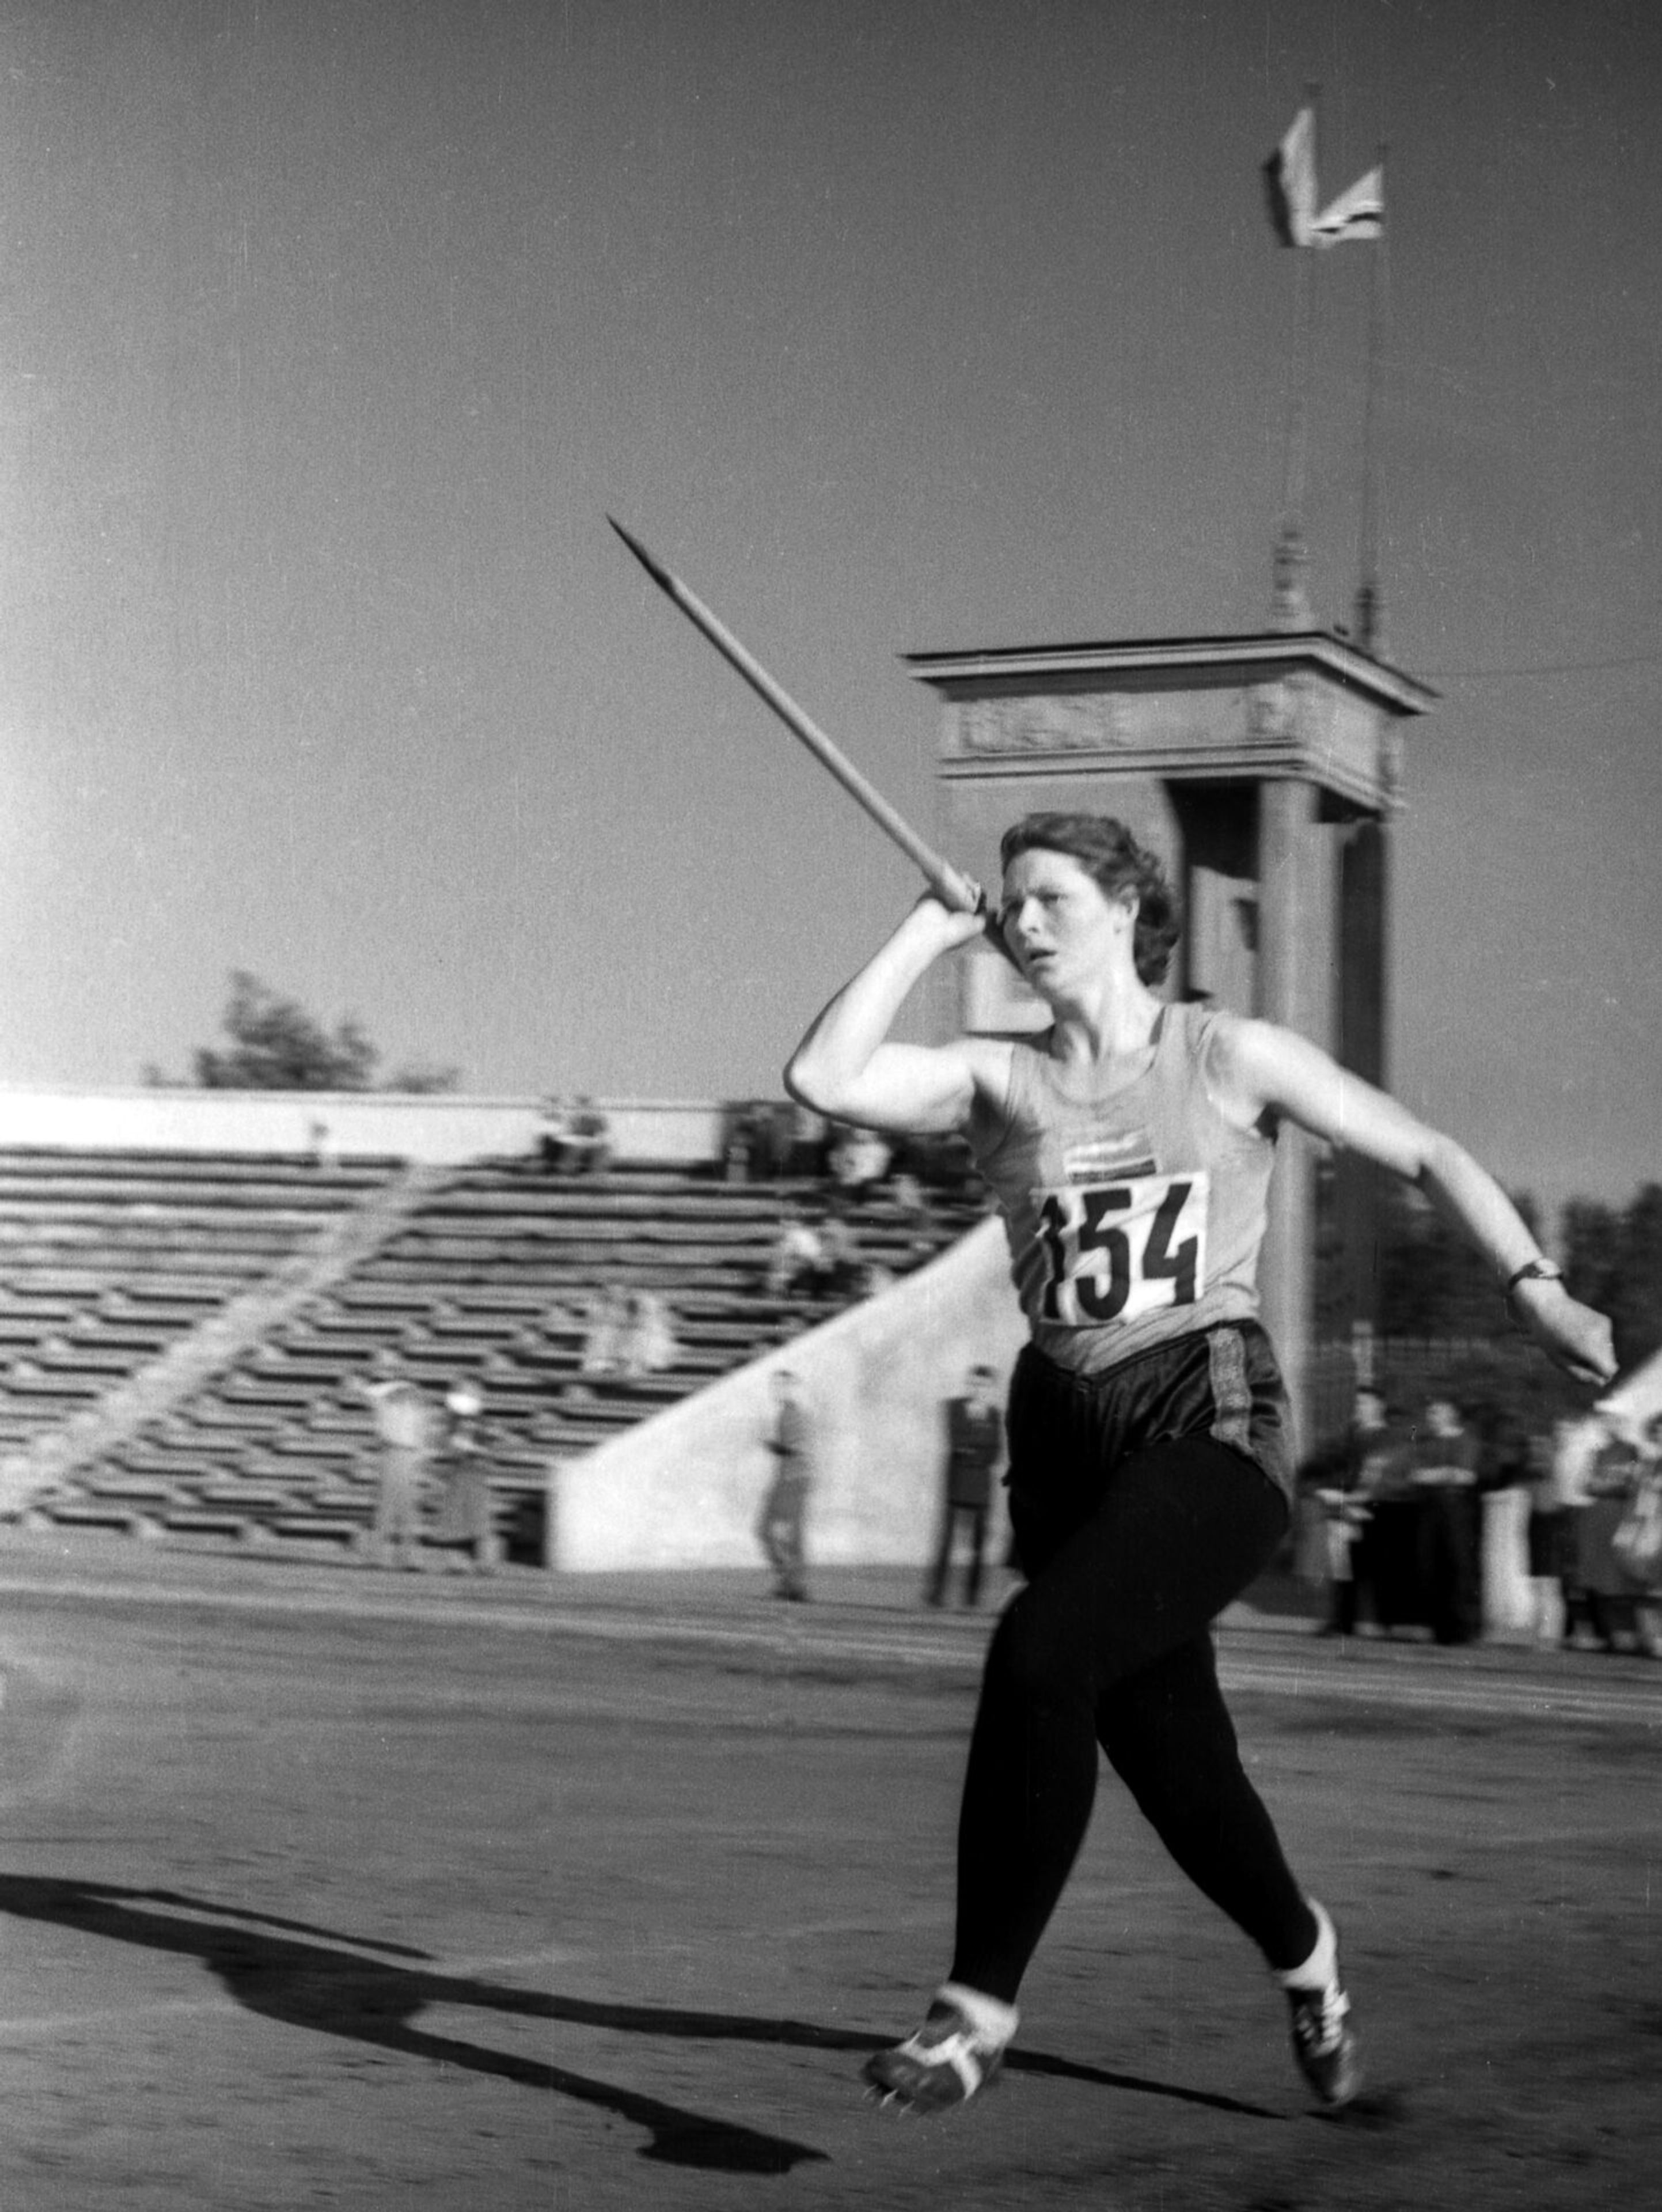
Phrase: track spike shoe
(1325, 2043)
(955, 2055)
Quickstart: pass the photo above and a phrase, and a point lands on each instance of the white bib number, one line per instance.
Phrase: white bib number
(1116, 1251)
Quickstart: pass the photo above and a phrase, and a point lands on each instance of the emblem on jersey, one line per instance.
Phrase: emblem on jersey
(1115, 1251)
(1123, 1158)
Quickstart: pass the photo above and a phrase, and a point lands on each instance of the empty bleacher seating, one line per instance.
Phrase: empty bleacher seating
(107, 1260)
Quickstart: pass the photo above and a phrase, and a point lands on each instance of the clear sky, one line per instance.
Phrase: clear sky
(330, 330)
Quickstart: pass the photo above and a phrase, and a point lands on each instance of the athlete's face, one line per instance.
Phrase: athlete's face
(1063, 928)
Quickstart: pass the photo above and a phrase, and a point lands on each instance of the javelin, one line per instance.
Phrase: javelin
(952, 887)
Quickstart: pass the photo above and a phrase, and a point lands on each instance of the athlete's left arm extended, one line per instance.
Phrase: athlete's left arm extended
(1258, 1068)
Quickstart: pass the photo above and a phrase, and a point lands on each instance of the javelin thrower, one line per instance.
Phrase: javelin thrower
(1130, 1147)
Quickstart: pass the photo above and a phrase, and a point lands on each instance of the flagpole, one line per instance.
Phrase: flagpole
(1370, 599)
(1290, 604)
(1298, 416)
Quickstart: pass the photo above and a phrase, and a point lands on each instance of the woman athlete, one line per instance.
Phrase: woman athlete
(1130, 1147)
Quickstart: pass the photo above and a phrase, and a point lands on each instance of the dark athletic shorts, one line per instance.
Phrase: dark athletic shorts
(1069, 1432)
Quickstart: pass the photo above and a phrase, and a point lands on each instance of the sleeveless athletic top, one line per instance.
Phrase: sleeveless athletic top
(1134, 1215)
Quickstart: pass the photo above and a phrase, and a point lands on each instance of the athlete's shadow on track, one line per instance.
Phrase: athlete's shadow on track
(289, 1971)
(307, 1983)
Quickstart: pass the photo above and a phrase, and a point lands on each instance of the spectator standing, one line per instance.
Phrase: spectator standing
(588, 1139)
(1610, 1599)
(551, 1135)
(1638, 1541)
(1346, 1512)
(649, 1345)
(1446, 1477)
(1385, 1559)
(858, 1161)
(781, 1526)
(575, 1140)
(804, 1142)
(739, 1144)
(1547, 1538)
(1575, 1454)
(770, 1146)
(464, 1516)
(797, 1257)
(606, 1322)
(1633, 1412)
(403, 1431)
(974, 1439)
(840, 1270)
(906, 1195)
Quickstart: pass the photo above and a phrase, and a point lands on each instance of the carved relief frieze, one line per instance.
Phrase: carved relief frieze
(1306, 709)
(1273, 711)
(1390, 757)
(1063, 722)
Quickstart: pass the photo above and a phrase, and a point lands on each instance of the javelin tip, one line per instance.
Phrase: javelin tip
(655, 569)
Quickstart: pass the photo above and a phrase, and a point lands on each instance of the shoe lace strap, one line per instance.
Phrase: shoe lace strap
(1321, 2014)
(961, 2050)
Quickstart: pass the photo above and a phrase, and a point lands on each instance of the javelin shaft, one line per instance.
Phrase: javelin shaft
(949, 884)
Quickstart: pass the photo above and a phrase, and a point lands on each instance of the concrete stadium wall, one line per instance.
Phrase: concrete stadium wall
(684, 1489)
(447, 1128)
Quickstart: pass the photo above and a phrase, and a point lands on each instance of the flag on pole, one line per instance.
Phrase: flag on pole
(1289, 177)
(1358, 213)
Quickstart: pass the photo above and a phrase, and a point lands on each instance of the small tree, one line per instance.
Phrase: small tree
(275, 1044)
(1592, 1236)
(1635, 1301)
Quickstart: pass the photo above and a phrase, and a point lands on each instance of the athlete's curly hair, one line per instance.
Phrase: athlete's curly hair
(1112, 857)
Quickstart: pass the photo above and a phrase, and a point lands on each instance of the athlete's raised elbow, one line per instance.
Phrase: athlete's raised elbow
(808, 1081)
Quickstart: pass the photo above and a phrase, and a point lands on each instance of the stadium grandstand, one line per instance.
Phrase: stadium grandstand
(184, 1327)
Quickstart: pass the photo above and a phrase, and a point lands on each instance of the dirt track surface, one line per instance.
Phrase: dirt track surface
(321, 1888)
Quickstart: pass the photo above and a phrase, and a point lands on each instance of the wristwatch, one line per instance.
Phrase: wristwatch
(1534, 1271)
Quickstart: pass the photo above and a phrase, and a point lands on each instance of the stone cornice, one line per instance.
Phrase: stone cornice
(1250, 658)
